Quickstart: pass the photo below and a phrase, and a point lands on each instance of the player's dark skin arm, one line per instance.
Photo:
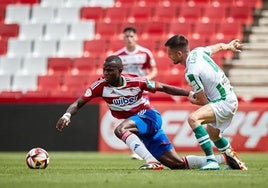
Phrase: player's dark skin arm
(172, 90)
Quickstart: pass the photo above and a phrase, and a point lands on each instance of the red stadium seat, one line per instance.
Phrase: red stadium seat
(31, 2)
(75, 83)
(125, 3)
(8, 30)
(116, 14)
(93, 48)
(214, 14)
(92, 13)
(189, 14)
(3, 47)
(48, 83)
(198, 2)
(180, 28)
(221, 3)
(226, 31)
(157, 29)
(2, 13)
(240, 14)
(140, 14)
(167, 14)
(59, 66)
(173, 3)
(107, 30)
(84, 65)
(203, 31)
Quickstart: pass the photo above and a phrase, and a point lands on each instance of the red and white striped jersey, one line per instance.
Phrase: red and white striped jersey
(136, 62)
(123, 101)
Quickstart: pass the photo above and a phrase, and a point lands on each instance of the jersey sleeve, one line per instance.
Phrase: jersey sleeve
(93, 91)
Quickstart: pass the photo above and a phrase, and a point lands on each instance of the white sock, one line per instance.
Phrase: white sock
(135, 144)
(194, 161)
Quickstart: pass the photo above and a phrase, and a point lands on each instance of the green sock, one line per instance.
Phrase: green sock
(204, 140)
(222, 144)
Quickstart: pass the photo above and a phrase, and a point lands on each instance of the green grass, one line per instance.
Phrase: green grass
(89, 169)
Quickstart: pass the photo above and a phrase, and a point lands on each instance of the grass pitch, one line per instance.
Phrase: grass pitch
(90, 169)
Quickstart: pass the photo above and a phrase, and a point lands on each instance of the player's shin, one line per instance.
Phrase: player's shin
(135, 144)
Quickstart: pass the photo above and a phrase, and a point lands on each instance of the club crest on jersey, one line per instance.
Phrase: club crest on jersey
(122, 101)
(88, 93)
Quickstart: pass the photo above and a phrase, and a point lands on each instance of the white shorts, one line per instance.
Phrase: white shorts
(224, 111)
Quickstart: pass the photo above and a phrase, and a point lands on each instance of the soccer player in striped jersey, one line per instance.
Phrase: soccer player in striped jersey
(141, 129)
(213, 92)
(137, 60)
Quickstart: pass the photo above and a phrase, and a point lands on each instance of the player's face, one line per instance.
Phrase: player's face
(130, 38)
(112, 74)
(175, 55)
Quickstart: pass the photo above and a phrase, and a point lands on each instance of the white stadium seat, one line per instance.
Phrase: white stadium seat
(44, 48)
(56, 31)
(52, 3)
(31, 31)
(67, 14)
(42, 14)
(5, 81)
(10, 65)
(76, 3)
(19, 48)
(82, 30)
(70, 48)
(17, 14)
(34, 66)
(24, 82)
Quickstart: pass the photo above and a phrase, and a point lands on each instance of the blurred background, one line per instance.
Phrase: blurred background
(50, 50)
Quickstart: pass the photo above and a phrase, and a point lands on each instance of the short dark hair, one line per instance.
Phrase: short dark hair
(115, 59)
(130, 28)
(178, 42)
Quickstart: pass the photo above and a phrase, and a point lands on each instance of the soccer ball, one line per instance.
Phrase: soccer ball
(37, 158)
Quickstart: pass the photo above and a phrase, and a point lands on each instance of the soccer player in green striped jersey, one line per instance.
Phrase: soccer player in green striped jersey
(213, 92)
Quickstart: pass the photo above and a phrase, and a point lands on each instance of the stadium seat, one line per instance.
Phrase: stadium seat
(214, 14)
(31, 2)
(102, 3)
(19, 48)
(203, 30)
(198, 42)
(203, 3)
(93, 48)
(42, 14)
(2, 13)
(31, 31)
(70, 48)
(34, 65)
(92, 13)
(189, 14)
(107, 30)
(84, 65)
(44, 48)
(220, 3)
(49, 83)
(76, 3)
(52, 3)
(115, 45)
(84, 30)
(140, 14)
(166, 14)
(8, 30)
(75, 83)
(56, 31)
(3, 46)
(17, 13)
(156, 29)
(226, 31)
(5, 80)
(24, 83)
(258, 4)
(59, 66)
(116, 14)
(67, 14)
(10, 65)
(125, 3)
(240, 14)
(180, 28)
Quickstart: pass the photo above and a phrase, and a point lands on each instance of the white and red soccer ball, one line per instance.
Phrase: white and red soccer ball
(37, 158)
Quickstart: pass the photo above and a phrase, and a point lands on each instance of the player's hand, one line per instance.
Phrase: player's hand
(235, 45)
(63, 121)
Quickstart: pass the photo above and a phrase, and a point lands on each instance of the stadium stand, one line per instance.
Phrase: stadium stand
(72, 37)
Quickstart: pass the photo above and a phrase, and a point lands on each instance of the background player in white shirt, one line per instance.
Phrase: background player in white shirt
(213, 92)
(137, 60)
(143, 123)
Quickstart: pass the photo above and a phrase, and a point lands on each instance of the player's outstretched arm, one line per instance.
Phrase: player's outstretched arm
(71, 110)
(234, 45)
(172, 90)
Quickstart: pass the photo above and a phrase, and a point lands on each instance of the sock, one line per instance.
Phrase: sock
(205, 143)
(222, 144)
(195, 162)
(135, 144)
